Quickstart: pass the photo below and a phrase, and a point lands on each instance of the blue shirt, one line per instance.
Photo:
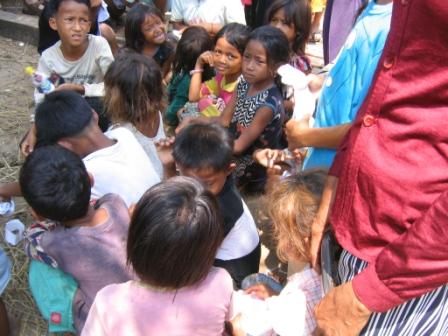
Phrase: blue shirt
(349, 80)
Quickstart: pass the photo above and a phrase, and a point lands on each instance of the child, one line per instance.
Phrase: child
(174, 234)
(213, 95)
(205, 151)
(84, 241)
(134, 95)
(77, 62)
(194, 41)
(145, 34)
(255, 113)
(293, 18)
(292, 207)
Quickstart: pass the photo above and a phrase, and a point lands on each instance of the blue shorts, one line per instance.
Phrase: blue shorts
(5, 271)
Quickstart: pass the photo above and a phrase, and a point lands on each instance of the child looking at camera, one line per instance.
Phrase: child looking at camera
(226, 58)
(174, 234)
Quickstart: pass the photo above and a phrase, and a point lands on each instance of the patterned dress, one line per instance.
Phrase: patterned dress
(249, 174)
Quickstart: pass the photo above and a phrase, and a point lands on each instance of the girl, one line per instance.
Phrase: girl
(174, 235)
(226, 58)
(145, 34)
(292, 206)
(293, 18)
(134, 94)
(194, 41)
(255, 113)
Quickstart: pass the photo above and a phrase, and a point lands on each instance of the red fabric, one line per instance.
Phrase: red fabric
(391, 206)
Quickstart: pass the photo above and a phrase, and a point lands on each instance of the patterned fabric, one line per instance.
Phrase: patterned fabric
(245, 110)
(215, 95)
(424, 315)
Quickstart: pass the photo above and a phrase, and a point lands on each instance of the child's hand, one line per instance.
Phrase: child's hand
(261, 291)
(29, 141)
(165, 151)
(205, 58)
(273, 160)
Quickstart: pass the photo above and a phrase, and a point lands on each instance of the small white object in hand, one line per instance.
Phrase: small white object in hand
(7, 208)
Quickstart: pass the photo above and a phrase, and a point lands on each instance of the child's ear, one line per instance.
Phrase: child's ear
(91, 179)
(52, 23)
(131, 209)
(231, 168)
(36, 216)
(95, 116)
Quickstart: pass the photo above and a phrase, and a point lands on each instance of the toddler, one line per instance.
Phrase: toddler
(174, 234)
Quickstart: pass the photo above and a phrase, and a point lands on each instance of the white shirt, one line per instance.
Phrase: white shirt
(213, 11)
(148, 144)
(89, 70)
(123, 168)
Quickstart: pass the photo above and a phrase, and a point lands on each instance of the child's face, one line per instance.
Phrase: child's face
(255, 63)
(279, 21)
(227, 59)
(72, 22)
(214, 180)
(153, 28)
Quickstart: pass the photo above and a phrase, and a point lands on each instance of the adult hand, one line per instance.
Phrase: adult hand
(340, 313)
(298, 133)
(29, 141)
(272, 159)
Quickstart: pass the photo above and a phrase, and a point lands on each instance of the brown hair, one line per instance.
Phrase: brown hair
(133, 89)
(292, 206)
(175, 232)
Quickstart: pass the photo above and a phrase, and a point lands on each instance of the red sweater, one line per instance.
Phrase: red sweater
(391, 205)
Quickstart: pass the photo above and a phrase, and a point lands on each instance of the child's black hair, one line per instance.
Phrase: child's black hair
(203, 145)
(62, 114)
(194, 41)
(175, 232)
(297, 13)
(134, 89)
(134, 38)
(236, 34)
(274, 42)
(55, 4)
(55, 183)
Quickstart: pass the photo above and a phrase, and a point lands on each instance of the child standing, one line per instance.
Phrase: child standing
(292, 206)
(145, 34)
(87, 242)
(194, 41)
(293, 18)
(174, 234)
(134, 95)
(77, 62)
(255, 113)
(226, 58)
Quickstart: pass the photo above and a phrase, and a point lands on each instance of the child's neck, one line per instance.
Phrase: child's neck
(71, 53)
(260, 86)
(148, 127)
(231, 78)
(91, 219)
(150, 49)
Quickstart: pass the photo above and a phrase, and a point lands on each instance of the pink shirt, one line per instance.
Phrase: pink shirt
(133, 308)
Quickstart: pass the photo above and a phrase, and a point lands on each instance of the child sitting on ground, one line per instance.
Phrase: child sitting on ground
(134, 94)
(84, 241)
(194, 41)
(115, 159)
(292, 207)
(174, 234)
(77, 62)
(205, 151)
(145, 34)
(226, 58)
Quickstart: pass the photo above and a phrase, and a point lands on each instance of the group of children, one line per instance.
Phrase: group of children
(121, 244)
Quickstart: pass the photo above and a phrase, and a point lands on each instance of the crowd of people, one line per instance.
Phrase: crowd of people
(137, 162)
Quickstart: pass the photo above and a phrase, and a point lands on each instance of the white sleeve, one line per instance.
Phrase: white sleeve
(176, 11)
(234, 12)
(103, 58)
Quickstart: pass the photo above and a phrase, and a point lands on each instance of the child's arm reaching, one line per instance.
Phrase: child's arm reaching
(165, 153)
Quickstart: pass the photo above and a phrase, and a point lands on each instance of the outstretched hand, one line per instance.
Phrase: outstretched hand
(165, 150)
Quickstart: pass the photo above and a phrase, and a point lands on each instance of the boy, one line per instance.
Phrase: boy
(86, 242)
(77, 62)
(205, 152)
(115, 159)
